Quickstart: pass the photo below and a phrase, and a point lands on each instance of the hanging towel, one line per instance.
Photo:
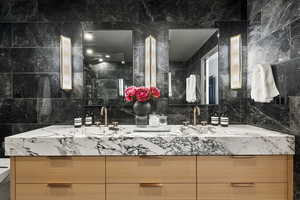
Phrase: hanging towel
(191, 89)
(263, 88)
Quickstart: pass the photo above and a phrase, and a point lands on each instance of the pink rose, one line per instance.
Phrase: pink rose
(130, 93)
(155, 92)
(142, 94)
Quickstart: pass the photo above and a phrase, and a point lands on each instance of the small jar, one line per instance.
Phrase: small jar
(214, 120)
(224, 121)
(88, 119)
(77, 121)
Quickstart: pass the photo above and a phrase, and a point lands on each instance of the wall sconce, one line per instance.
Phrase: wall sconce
(236, 62)
(65, 63)
(150, 62)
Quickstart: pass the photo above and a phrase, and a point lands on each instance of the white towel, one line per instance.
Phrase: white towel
(191, 89)
(263, 88)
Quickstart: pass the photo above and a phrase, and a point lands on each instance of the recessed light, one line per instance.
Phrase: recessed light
(107, 56)
(123, 62)
(88, 36)
(100, 59)
(89, 51)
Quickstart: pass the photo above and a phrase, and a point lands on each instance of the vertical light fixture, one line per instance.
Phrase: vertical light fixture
(236, 62)
(150, 62)
(65, 63)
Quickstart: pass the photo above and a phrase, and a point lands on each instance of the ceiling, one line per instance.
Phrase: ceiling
(116, 43)
(184, 43)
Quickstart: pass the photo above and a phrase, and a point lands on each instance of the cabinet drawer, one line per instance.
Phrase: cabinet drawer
(166, 169)
(139, 192)
(60, 169)
(226, 169)
(240, 191)
(62, 192)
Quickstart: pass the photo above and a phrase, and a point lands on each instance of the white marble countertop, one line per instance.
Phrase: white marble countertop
(63, 140)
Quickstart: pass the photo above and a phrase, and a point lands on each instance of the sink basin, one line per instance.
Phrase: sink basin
(152, 129)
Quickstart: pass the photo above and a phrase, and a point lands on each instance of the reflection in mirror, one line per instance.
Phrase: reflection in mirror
(193, 58)
(108, 65)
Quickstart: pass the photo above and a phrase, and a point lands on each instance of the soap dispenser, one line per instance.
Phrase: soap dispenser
(77, 121)
(224, 120)
(214, 120)
(88, 119)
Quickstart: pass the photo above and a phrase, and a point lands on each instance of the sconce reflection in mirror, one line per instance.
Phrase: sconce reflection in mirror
(150, 62)
(236, 62)
(65, 63)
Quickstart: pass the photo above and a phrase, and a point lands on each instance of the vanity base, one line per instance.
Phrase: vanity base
(152, 177)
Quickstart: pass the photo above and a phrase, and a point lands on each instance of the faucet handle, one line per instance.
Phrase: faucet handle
(115, 124)
(203, 123)
(186, 123)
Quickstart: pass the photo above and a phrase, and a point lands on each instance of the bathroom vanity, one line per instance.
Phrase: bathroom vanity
(186, 163)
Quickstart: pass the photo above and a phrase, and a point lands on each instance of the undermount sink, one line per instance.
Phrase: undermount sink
(152, 129)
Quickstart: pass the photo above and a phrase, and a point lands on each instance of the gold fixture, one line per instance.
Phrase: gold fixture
(196, 112)
(104, 113)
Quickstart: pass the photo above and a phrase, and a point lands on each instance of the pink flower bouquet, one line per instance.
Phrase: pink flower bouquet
(141, 94)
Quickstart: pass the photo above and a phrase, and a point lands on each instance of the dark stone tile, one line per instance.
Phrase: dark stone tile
(115, 11)
(5, 6)
(270, 116)
(5, 86)
(254, 7)
(58, 111)
(5, 110)
(36, 86)
(254, 28)
(64, 10)
(73, 31)
(272, 49)
(294, 106)
(36, 34)
(5, 35)
(5, 60)
(5, 131)
(35, 59)
(279, 13)
(295, 39)
(24, 111)
(24, 10)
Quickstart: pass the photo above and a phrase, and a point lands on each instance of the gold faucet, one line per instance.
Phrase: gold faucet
(196, 112)
(104, 112)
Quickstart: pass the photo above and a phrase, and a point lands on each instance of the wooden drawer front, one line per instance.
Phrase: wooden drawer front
(258, 191)
(167, 169)
(73, 192)
(70, 170)
(223, 169)
(138, 192)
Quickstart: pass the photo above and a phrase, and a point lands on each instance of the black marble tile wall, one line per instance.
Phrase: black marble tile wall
(273, 37)
(30, 96)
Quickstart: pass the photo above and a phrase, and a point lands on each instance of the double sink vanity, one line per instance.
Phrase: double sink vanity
(179, 163)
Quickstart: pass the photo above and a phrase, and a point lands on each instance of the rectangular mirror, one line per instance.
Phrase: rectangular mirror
(194, 72)
(108, 65)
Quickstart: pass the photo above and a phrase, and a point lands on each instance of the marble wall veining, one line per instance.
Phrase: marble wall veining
(273, 37)
(30, 96)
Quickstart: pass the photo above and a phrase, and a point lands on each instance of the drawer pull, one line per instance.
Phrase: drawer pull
(242, 184)
(151, 185)
(59, 185)
(151, 157)
(243, 157)
(60, 158)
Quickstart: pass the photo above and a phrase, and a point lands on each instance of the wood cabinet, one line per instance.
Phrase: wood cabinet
(165, 169)
(153, 178)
